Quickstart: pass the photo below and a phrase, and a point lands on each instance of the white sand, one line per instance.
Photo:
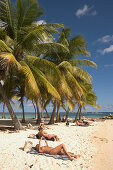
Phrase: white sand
(103, 158)
(78, 140)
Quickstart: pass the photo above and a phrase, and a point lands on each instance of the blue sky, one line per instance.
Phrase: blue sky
(94, 20)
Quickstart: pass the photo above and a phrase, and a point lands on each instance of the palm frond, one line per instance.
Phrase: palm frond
(48, 48)
(41, 79)
(8, 60)
(32, 90)
(44, 65)
(27, 12)
(83, 62)
(77, 46)
(71, 104)
(82, 74)
(4, 47)
(74, 85)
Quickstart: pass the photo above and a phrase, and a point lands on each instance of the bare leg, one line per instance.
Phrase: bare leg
(58, 150)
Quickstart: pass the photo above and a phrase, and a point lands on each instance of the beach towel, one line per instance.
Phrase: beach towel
(63, 157)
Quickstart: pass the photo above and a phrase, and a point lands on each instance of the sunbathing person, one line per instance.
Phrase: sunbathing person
(42, 124)
(42, 133)
(59, 150)
(82, 123)
(96, 119)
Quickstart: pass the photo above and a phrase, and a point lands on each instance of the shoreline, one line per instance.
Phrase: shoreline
(79, 140)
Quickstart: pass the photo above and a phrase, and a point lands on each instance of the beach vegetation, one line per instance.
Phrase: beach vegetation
(43, 69)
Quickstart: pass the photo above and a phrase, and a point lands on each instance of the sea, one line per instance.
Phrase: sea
(29, 115)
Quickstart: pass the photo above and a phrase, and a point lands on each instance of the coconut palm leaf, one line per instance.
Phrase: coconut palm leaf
(8, 60)
(44, 65)
(83, 62)
(27, 12)
(82, 74)
(72, 82)
(77, 46)
(32, 90)
(41, 79)
(48, 48)
(64, 88)
(4, 47)
(71, 104)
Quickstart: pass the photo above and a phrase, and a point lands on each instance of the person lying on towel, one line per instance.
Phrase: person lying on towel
(44, 134)
(59, 150)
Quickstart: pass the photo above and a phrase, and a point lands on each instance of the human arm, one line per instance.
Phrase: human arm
(46, 142)
(40, 141)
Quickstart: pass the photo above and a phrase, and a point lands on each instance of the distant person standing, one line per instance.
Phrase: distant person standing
(63, 119)
(67, 123)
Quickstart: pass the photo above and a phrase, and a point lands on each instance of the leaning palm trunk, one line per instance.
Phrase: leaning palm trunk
(58, 113)
(80, 112)
(76, 115)
(42, 109)
(16, 122)
(53, 114)
(67, 113)
(38, 114)
(35, 110)
(47, 115)
(3, 115)
(23, 113)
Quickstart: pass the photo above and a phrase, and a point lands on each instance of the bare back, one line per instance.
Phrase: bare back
(42, 133)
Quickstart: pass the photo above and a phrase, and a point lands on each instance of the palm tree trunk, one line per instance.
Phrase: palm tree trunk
(76, 115)
(80, 112)
(16, 122)
(3, 115)
(23, 113)
(47, 113)
(53, 114)
(42, 109)
(34, 109)
(38, 114)
(58, 113)
(67, 113)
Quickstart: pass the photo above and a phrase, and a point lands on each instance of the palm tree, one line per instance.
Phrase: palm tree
(21, 38)
(90, 98)
(70, 66)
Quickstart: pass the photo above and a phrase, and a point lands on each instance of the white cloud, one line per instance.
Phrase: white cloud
(106, 39)
(40, 22)
(107, 50)
(108, 65)
(86, 10)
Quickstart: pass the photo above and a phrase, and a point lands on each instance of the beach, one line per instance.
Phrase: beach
(85, 141)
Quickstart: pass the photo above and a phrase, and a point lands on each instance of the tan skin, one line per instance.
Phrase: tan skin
(42, 133)
(80, 123)
(60, 150)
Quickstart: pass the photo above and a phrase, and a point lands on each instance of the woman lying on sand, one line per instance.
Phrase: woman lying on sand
(82, 123)
(59, 150)
(96, 119)
(42, 133)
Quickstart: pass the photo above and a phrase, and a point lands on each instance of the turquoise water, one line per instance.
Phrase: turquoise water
(71, 115)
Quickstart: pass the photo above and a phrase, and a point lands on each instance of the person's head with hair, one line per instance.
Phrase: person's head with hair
(40, 128)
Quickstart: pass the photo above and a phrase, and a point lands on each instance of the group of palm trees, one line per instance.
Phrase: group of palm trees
(36, 66)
